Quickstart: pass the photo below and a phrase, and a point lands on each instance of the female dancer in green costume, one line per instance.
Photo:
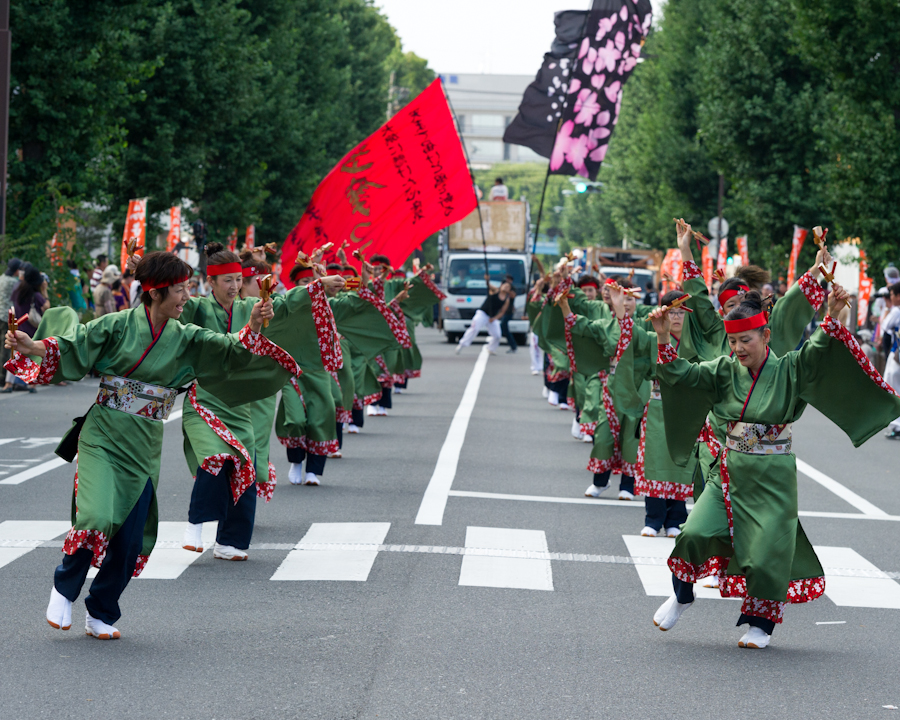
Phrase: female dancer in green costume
(745, 527)
(142, 358)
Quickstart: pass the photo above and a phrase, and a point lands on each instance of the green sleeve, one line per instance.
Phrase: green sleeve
(632, 371)
(788, 320)
(80, 346)
(834, 376)
(361, 323)
(604, 333)
(705, 317)
(689, 391)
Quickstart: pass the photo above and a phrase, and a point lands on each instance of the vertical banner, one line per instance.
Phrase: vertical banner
(707, 266)
(722, 260)
(673, 267)
(744, 249)
(135, 227)
(866, 285)
(800, 234)
(250, 239)
(57, 250)
(231, 242)
(174, 229)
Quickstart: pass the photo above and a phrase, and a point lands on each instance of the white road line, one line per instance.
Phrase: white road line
(168, 559)
(876, 591)
(33, 472)
(842, 492)
(306, 563)
(640, 504)
(28, 535)
(57, 462)
(505, 572)
(431, 511)
(655, 575)
(3, 441)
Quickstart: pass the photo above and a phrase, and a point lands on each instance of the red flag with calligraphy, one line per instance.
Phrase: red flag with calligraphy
(866, 285)
(707, 266)
(404, 182)
(800, 234)
(250, 238)
(135, 227)
(722, 260)
(743, 246)
(174, 229)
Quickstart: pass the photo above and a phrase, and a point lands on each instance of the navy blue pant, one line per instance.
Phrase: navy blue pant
(314, 463)
(401, 384)
(625, 483)
(385, 401)
(115, 570)
(340, 434)
(359, 417)
(684, 593)
(662, 513)
(504, 329)
(211, 501)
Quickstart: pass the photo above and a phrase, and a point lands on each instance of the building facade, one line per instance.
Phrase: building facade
(484, 106)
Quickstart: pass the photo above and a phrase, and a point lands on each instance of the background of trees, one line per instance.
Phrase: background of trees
(238, 107)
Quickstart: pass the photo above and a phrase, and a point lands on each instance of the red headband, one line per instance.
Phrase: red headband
(150, 285)
(589, 283)
(726, 295)
(744, 324)
(304, 273)
(250, 271)
(225, 269)
(348, 273)
(609, 281)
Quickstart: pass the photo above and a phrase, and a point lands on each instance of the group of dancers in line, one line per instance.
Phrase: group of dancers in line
(687, 400)
(336, 343)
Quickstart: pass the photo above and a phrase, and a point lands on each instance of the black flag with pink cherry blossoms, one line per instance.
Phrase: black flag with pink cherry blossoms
(608, 54)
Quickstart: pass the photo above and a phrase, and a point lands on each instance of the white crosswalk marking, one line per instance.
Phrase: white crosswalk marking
(650, 555)
(341, 564)
(169, 559)
(25, 533)
(875, 591)
(506, 572)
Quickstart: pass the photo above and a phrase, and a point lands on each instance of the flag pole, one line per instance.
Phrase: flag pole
(471, 175)
(537, 227)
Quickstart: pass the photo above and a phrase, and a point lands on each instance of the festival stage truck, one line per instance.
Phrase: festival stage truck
(507, 245)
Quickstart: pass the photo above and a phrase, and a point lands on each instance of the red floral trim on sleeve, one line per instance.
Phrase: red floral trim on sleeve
(768, 609)
(326, 331)
(386, 378)
(626, 326)
(24, 368)
(570, 321)
(244, 474)
(93, 540)
(343, 416)
(564, 286)
(259, 344)
(397, 310)
(811, 290)
(690, 271)
(708, 436)
(834, 329)
(266, 489)
(397, 326)
(378, 286)
(655, 488)
(412, 374)
(588, 428)
(140, 564)
(371, 399)
(429, 283)
(291, 442)
(666, 354)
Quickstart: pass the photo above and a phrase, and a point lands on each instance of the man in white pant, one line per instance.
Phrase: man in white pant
(890, 328)
(488, 316)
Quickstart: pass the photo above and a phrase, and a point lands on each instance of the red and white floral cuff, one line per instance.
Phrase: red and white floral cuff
(24, 368)
(666, 354)
(690, 270)
(812, 291)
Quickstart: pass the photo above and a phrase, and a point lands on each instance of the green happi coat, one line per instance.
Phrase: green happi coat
(787, 322)
(118, 453)
(745, 526)
(586, 386)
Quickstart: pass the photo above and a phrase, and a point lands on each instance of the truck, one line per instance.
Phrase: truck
(463, 255)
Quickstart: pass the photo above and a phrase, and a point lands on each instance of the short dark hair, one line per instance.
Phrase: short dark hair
(158, 267)
(216, 254)
(498, 181)
(895, 288)
(670, 297)
(102, 258)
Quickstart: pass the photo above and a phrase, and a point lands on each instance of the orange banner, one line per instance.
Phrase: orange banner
(135, 227)
(800, 234)
(866, 285)
(707, 266)
(722, 260)
(673, 267)
(743, 246)
(250, 239)
(231, 242)
(174, 229)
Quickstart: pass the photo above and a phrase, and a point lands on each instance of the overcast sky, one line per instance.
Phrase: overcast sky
(479, 36)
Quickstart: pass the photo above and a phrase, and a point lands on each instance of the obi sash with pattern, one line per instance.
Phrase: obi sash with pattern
(758, 438)
(153, 402)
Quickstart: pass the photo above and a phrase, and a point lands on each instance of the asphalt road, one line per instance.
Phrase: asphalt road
(225, 640)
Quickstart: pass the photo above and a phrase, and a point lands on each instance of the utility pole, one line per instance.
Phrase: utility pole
(5, 65)
(390, 103)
